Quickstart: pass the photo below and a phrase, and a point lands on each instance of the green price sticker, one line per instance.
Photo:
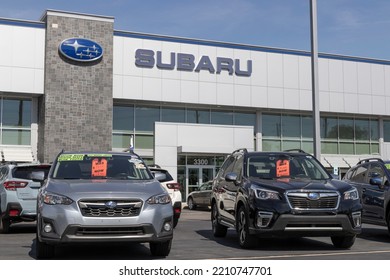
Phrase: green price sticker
(71, 157)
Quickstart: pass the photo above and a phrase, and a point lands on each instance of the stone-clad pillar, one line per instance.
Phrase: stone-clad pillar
(76, 109)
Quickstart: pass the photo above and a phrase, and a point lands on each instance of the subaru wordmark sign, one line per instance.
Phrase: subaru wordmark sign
(80, 49)
(187, 62)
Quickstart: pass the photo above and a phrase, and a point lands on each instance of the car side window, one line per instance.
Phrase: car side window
(226, 167)
(3, 173)
(376, 171)
(360, 175)
(237, 168)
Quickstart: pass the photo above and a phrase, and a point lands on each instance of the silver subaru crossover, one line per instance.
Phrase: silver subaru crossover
(102, 197)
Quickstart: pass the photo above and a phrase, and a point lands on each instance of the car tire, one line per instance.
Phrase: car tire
(343, 242)
(43, 250)
(246, 240)
(160, 249)
(191, 204)
(5, 225)
(218, 229)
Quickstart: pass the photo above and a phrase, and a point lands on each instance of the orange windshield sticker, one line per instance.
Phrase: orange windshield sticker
(99, 167)
(282, 168)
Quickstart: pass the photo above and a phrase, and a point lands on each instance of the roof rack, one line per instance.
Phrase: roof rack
(244, 150)
(370, 159)
(295, 150)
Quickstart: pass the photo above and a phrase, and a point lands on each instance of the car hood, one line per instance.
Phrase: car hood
(286, 184)
(77, 189)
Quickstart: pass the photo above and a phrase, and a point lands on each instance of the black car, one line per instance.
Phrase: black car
(282, 194)
(371, 178)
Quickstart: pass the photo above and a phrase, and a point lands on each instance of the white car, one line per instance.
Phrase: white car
(173, 188)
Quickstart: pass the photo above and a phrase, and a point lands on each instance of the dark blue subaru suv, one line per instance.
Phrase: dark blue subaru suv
(282, 194)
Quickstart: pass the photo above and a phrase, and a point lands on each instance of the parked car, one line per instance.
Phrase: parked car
(282, 194)
(18, 193)
(173, 188)
(102, 197)
(200, 197)
(371, 178)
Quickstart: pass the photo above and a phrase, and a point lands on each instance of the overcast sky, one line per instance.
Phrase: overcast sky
(347, 27)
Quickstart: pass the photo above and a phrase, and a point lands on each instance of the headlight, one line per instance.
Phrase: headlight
(351, 195)
(265, 194)
(159, 199)
(53, 199)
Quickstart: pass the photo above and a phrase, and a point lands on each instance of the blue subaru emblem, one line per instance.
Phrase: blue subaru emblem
(313, 196)
(80, 49)
(110, 204)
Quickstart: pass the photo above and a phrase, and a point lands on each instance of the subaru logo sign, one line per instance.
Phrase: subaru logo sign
(79, 49)
(313, 196)
(110, 204)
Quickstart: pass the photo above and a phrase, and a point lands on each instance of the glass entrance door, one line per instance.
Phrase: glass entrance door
(197, 175)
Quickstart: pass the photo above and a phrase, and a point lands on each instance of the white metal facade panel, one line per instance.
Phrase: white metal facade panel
(21, 66)
(187, 138)
(278, 81)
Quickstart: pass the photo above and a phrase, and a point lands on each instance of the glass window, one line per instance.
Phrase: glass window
(173, 115)
(16, 113)
(123, 118)
(291, 126)
(376, 171)
(16, 137)
(386, 131)
(347, 148)
(360, 174)
(120, 140)
(272, 145)
(143, 142)
(145, 117)
(308, 147)
(329, 128)
(346, 129)
(198, 116)
(362, 130)
(222, 117)
(374, 148)
(362, 148)
(288, 145)
(329, 147)
(271, 125)
(374, 125)
(245, 119)
(307, 127)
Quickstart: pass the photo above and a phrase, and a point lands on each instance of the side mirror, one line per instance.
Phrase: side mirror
(37, 176)
(231, 177)
(376, 181)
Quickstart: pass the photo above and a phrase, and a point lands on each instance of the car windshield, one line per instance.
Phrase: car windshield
(276, 166)
(100, 166)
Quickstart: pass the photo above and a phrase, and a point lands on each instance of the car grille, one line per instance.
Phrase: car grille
(324, 200)
(110, 208)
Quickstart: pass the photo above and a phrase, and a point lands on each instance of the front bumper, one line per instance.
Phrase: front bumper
(307, 225)
(69, 226)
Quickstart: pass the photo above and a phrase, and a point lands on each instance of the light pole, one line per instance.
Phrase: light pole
(314, 80)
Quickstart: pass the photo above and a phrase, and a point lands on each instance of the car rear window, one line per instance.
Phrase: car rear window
(167, 178)
(24, 172)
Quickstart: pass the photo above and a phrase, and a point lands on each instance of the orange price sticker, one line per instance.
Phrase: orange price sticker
(99, 167)
(282, 168)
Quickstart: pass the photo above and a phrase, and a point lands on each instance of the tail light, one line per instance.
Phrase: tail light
(13, 185)
(14, 213)
(174, 186)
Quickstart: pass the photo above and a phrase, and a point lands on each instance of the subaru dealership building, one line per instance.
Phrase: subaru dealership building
(70, 81)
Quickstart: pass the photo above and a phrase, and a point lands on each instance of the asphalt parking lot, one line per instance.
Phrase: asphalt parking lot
(193, 240)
